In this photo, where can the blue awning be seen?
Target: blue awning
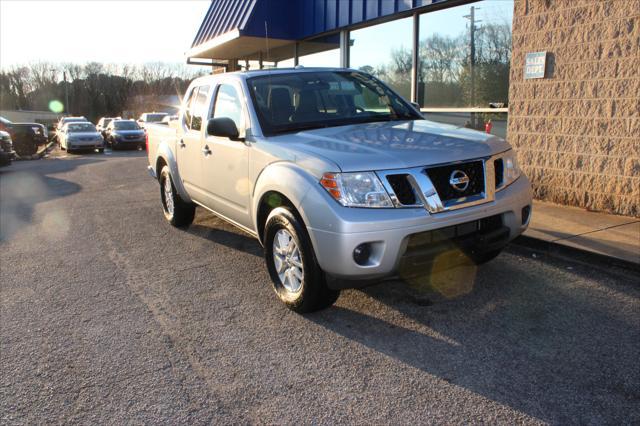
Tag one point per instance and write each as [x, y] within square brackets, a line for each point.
[237, 29]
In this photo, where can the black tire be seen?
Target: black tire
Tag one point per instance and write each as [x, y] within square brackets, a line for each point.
[484, 257]
[313, 294]
[182, 213]
[25, 147]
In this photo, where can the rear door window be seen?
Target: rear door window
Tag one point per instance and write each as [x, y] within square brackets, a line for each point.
[188, 106]
[200, 108]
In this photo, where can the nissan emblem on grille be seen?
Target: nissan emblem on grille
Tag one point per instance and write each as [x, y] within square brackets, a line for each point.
[459, 180]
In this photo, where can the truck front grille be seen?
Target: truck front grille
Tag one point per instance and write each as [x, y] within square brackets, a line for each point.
[403, 189]
[441, 188]
[441, 175]
[499, 171]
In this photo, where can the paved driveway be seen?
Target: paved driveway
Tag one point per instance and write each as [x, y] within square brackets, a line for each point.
[107, 314]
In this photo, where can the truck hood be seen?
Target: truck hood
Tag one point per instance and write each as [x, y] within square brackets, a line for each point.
[393, 145]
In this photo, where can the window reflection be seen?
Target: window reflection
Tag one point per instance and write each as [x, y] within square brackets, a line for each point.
[385, 51]
[320, 51]
[459, 67]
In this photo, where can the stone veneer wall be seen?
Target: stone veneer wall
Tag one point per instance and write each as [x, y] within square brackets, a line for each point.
[577, 132]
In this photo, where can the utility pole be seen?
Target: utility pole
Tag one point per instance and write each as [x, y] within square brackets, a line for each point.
[66, 92]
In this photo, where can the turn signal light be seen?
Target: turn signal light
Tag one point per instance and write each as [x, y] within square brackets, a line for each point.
[330, 183]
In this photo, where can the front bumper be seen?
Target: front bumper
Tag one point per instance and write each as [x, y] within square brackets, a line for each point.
[124, 141]
[388, 232]
[85, 144]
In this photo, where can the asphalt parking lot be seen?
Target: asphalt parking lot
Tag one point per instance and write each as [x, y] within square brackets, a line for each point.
[110, 315]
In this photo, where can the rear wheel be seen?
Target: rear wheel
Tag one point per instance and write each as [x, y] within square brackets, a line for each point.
[178, 212]
[297, 278]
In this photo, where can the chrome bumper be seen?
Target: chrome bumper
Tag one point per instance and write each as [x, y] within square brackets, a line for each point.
[388, 231]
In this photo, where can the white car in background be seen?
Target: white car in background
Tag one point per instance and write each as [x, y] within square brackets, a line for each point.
[151, 117]
[80, 135]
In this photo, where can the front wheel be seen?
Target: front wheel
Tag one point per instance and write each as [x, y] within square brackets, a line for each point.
[297, 278]
[178, 212]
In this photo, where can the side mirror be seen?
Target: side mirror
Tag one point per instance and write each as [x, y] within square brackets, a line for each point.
[223, 127]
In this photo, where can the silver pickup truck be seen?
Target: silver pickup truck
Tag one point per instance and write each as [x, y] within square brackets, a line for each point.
[340, 179]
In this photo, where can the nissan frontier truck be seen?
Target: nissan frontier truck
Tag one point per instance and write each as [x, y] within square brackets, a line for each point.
[341, 180]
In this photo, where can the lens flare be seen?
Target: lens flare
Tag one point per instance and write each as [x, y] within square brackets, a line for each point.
[56, 106]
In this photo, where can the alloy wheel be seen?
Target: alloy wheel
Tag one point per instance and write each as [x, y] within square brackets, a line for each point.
[288, 261]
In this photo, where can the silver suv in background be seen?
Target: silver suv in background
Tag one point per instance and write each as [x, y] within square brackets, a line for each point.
[339, 178]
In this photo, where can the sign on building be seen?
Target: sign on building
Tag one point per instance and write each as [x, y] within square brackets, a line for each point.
[534, 65]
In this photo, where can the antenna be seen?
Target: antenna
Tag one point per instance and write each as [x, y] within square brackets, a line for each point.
[266, 38]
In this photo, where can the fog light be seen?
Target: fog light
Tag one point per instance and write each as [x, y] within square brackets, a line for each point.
[361, 254]
[526, 212]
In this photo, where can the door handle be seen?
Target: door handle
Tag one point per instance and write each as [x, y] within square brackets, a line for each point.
[182, 144]
[206, 151]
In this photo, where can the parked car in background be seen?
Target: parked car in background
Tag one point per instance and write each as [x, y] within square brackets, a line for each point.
[339, 178]
[125, 134]
[169, 118]
[151, 117]
[65, 120]
[103, 123]
[80, 135]
[7, 154]
[25, 136]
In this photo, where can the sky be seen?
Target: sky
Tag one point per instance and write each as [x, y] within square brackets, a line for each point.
[120, 31]
[115, 31]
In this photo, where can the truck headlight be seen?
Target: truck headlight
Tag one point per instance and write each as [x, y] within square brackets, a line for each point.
[361, 189]
[510, 166]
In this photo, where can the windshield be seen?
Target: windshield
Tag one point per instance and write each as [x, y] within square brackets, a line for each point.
[125, 125]
[107, 121]
[153, 118]
[81, 127]
[306, 100]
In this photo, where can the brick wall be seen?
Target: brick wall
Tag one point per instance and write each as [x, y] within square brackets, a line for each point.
[577, 132]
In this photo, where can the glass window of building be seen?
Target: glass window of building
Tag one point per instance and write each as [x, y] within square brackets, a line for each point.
[464, 55]
[320, 52]
[385, 51]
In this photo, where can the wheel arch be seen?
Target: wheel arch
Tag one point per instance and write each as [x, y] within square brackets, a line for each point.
[280, 184]
[166, 157]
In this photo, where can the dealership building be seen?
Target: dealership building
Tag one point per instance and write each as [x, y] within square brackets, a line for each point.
[560, 79]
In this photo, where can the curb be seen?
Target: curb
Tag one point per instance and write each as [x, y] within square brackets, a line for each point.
[562, 251]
